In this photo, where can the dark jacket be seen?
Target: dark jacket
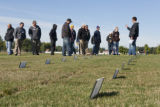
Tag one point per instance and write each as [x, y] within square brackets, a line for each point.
[110, 39]
[53, 33]
[20, 33]
[134, 30]
[35, 32]
[73, 35]
[97, 37]
[9, 35]
[116, 37]
[83, 34]
[66, 31]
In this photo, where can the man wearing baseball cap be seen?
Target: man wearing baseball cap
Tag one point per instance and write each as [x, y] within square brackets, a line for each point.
[66, 35]
[97, 41]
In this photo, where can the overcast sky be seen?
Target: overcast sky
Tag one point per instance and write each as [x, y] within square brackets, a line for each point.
[106, 13]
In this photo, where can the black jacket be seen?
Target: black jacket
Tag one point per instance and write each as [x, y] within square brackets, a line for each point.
[134, 30]
[116, 37]
[9, 35]
[53, 33]
[20, 33]
[73, 35]
[66, 31]
[83, 34]
[97, 37]
[35, 32]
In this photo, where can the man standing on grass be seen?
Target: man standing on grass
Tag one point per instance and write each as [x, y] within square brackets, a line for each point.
[9, 39]
[97, 41]
[20, 35]
[66, 35]
[134, 33]
[35, 34]
[53, 38]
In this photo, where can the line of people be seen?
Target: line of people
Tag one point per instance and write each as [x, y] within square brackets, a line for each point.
[69, 37]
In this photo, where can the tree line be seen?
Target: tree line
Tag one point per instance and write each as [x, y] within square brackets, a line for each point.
[27, 47]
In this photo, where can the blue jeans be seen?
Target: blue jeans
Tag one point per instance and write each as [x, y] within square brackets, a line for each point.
[110, 48]
[132, 48]
[115, 48]
[96, 49]
[9, 46]
[66, 46]
[73, 50]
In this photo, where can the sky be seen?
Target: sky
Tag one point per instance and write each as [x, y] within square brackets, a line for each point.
[106, 13]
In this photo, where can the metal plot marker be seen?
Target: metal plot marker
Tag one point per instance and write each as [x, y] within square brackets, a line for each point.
[22, 64]
[48, 61]
[115, 74]
[96, 88]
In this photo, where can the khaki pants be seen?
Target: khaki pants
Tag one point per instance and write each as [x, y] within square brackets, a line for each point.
[84, 46]
[18, 45]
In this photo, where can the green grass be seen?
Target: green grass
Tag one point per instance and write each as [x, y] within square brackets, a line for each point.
[69, 84]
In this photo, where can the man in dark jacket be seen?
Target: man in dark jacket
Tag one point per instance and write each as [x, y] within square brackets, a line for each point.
[73, 38]
[84, 37]
[116, 40]
[110, 43]
[20, 35]
[97, 41]
[35, 34]
[134, 33]
[53, 38]
[66, 35]
[9, 39]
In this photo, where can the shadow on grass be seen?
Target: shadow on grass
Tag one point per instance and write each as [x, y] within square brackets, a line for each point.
[121, 77]
[132, 64]
[107, 94]
[126, 69]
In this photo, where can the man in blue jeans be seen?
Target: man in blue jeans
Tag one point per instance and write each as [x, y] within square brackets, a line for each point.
[134, 33]
[97, 41]
[66, 35]
[9, 39]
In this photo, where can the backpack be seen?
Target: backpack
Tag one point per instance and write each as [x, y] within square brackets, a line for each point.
[92, 40]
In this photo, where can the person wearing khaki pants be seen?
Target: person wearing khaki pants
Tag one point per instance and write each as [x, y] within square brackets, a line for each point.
[84, 36]
[18, 45]
[20, 35]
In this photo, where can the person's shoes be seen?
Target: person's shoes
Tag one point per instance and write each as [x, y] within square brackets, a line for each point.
[15, 54]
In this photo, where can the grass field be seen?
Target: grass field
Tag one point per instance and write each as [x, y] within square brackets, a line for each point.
[69, 84]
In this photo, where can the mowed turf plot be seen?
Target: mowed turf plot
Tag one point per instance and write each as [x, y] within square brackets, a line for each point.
[69, 83]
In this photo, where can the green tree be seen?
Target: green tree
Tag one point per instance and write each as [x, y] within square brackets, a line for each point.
[147, 49]
[2, 44]
[58, 48]
[158, 50]
[123, 50]
[45, 46]
[27, 45]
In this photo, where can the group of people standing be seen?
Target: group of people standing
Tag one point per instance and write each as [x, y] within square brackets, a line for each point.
[82, 39]
[69, 37]
[113, 42]
[19, 34]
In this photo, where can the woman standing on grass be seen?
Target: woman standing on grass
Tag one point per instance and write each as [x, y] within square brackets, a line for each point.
[116, 40]
[53, 38]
